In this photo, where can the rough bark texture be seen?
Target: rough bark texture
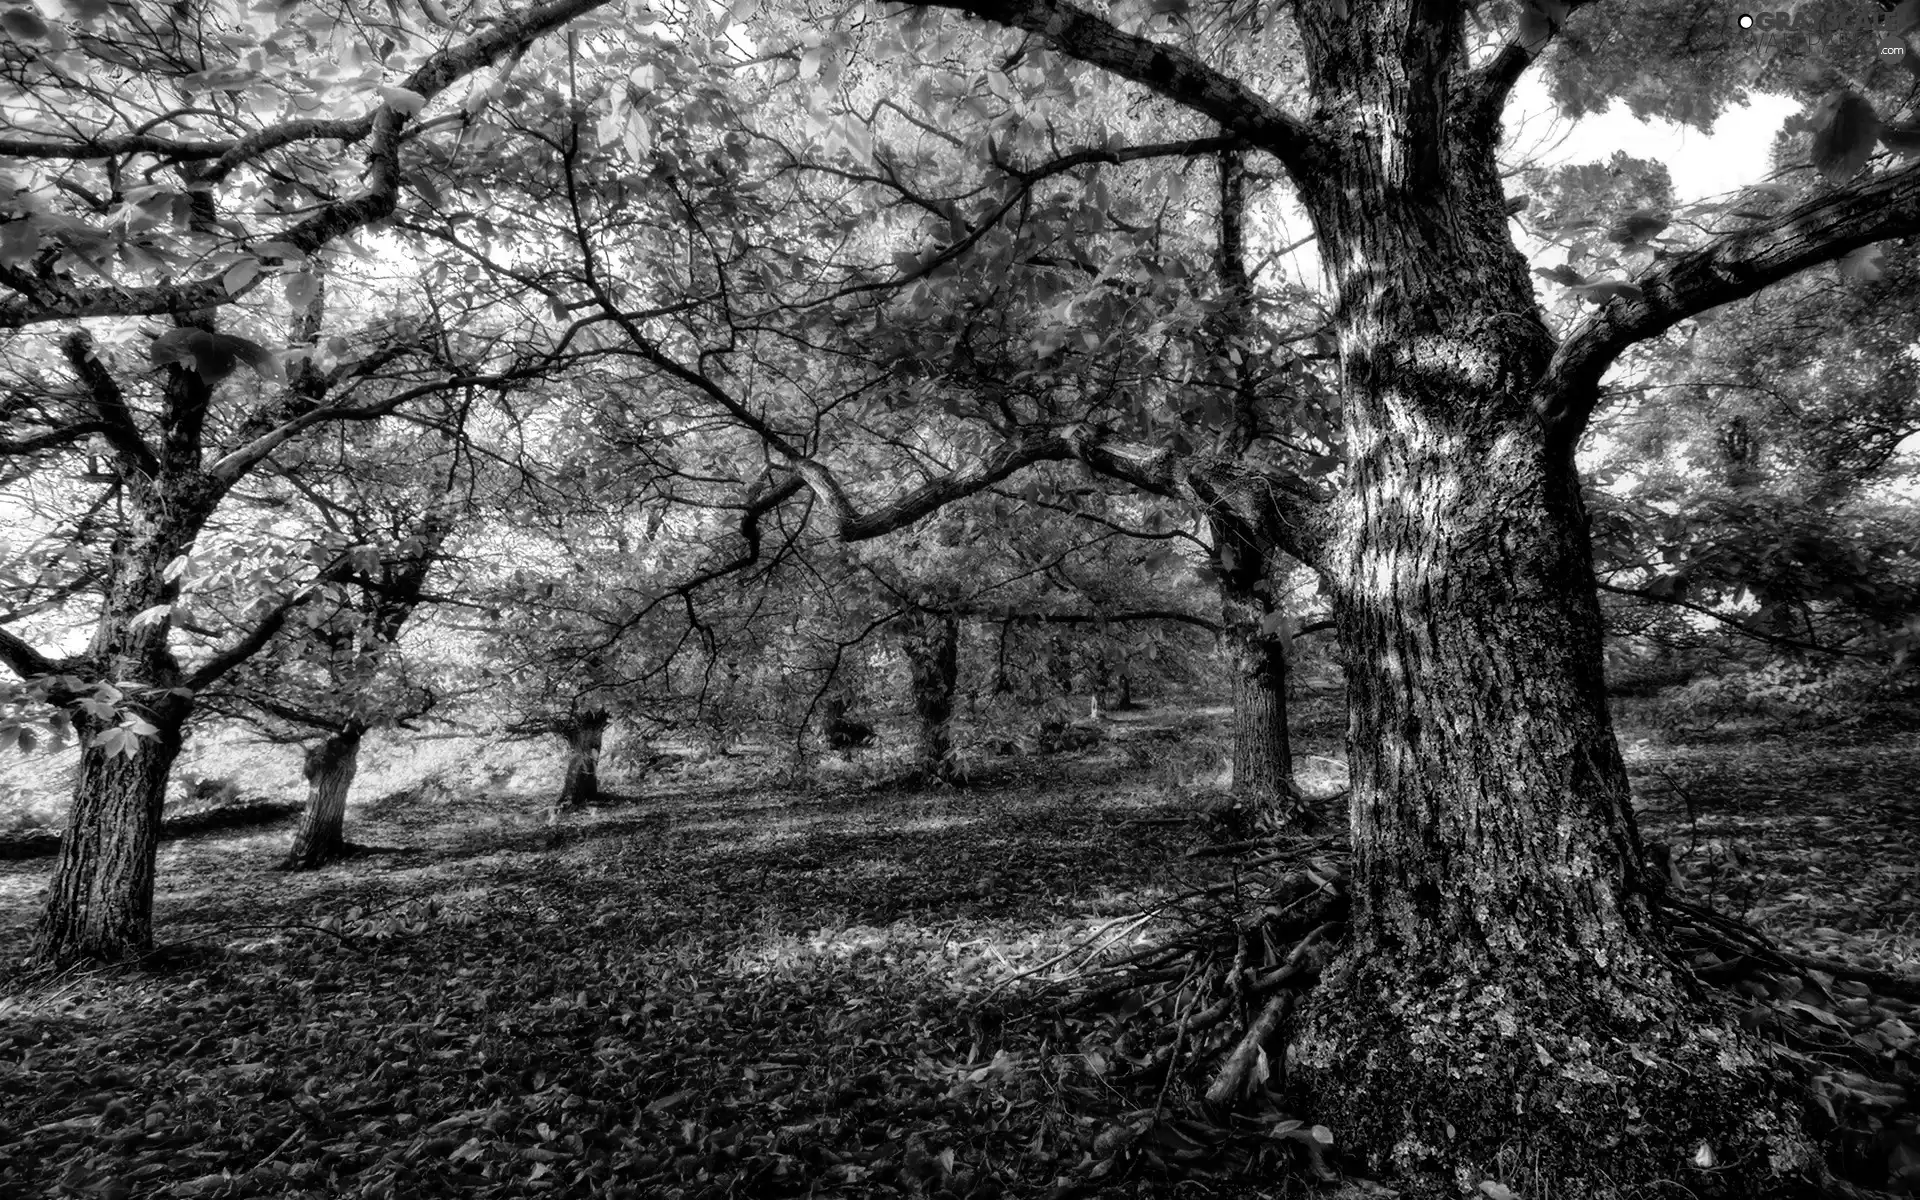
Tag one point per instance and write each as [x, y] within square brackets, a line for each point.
[329, 768]
[101, 904]
[932, 644]
[1256, 657]
[581, 786]
[1505, 1009]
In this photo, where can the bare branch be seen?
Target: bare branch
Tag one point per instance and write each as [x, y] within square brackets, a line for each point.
[23, 660]
[109, 403]
[50, 299]
[1171, 71]
[1171, 615]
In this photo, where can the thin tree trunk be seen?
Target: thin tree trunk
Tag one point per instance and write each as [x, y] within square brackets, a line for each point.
[100, 906]
[932, 644]
[1099, 679]
[330, 767]
[1256, 653]
[582, 784]
[1059, 666]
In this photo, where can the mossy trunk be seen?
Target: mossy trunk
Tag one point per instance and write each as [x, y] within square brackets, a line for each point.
[329, 768]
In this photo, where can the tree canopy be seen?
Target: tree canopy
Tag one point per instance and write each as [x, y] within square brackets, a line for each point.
[721, 337]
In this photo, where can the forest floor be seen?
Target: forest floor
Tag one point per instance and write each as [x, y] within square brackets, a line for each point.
[736, 989]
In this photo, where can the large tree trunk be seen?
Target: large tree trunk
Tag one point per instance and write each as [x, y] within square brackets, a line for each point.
[100, 902]
[100, 906]
[329, 768]
[1505, 1008]
[581, 786]
[932, 644]
[1256, 653]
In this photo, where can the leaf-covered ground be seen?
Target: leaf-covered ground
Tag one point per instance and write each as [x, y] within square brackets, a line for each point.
[751, 991]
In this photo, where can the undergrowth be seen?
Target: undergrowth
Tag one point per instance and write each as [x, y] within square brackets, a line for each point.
[715, 987]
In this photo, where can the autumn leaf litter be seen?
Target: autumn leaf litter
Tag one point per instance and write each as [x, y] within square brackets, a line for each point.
[746, 992]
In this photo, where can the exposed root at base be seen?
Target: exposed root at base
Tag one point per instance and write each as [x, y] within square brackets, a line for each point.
[1200, 995]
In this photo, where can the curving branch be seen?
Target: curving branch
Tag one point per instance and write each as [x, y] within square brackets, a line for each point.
[113, 146]
[1483, 94]
[251, 643]
[851, 525]
[1172, 616]
[244, 150]
[115, 418]
[23, 660]
[1171, 71]
[299, 418]
[229, 153]
[224, 662]
[65, 435]
[1284, 513]
[40, 299]
[1027, 178]
[1730, 267]
[1739, 627]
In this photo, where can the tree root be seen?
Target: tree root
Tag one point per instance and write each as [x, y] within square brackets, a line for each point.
[1213, 995]
[1233, 1072]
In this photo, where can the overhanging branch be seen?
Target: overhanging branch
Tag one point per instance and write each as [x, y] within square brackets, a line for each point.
[851, 525]
[1128, 616]
[1728, 268]
[1483, 94]
[39, 299]
[23, 660]
[1171, 71]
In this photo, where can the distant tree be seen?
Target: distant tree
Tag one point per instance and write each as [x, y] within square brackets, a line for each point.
[174, 169]
[337, 671]
[802, 322]
[931, 641]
